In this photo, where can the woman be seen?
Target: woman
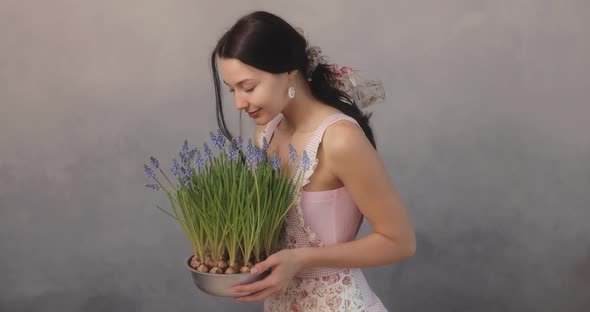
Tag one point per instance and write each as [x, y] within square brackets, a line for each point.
[294, 101]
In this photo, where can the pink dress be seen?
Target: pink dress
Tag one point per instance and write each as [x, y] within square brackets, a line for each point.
[319, 219]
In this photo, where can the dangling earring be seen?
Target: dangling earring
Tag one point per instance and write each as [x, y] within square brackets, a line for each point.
[291, 92]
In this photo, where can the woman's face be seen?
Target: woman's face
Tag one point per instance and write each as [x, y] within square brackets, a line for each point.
[261, 94]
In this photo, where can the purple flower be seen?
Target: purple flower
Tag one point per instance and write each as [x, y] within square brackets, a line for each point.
[305, 161]
[184, 149]
[153, 186]
[292, 155]
[175, 168]
[199, 162]
[207, 150]
[275, 161]
[191, 155]
[233, 151]
[148, 171]
[249, 147]
[251, 158]
[185, 176]
[155, 162]
[260, 155]
[218, 140]
[239, 143]
[254, 155]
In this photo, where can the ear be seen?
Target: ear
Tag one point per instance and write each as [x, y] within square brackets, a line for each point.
[292, 74]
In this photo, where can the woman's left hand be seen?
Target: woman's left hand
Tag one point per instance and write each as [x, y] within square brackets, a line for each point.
[283, 265]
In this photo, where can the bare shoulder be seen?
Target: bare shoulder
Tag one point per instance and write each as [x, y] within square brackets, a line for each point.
[343, 138]
[349, 153]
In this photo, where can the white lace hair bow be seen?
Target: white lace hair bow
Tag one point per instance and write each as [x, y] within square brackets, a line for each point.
[365, 92]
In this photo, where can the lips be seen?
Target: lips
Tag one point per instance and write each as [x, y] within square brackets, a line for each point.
[255, 113]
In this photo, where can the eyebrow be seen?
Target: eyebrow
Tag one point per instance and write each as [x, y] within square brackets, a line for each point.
[239, 83]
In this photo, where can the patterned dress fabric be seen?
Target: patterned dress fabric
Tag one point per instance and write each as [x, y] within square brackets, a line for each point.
[320, 219]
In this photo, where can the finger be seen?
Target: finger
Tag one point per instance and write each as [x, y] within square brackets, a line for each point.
[265, 265]
[253, 287]
[261, 295]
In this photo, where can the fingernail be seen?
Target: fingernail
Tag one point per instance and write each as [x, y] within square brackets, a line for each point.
[254, 271]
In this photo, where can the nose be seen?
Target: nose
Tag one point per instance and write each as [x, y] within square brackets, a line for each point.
[241, 102]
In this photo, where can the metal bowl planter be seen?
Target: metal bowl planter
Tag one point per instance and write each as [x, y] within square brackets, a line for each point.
[221, 284]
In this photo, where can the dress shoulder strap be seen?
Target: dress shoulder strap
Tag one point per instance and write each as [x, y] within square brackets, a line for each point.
[316, 139]
[313, 144]
[269, 130]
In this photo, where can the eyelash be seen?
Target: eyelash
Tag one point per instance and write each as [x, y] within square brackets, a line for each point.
[247, 91]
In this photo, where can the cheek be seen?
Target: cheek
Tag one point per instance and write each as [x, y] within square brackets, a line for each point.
[270, 98]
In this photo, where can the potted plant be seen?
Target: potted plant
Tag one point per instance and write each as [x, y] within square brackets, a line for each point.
[231, 204]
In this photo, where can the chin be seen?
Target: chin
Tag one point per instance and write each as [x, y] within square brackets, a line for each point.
[263, 119]
[259, 123]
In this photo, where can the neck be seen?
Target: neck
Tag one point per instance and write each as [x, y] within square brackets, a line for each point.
[298, 112]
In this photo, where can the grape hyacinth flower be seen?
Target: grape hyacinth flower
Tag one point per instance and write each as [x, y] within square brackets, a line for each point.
[184, 149]
[207, 151]
[191, 156]
[175, 168]
[239, 143]
[259, 155]
[199, 162]
[221, 137]
[265, 144]
[233, 151]
[305, 162]
[148, 171]
[249, 147]
[155, 162]
[292, 155]
[218, 140]
[251, 158]
[275, 162]
[185, 173]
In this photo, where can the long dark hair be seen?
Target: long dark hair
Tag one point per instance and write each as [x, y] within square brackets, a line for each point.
[267, 42]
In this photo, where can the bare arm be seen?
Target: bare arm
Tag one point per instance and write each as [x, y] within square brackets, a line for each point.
[354, 161]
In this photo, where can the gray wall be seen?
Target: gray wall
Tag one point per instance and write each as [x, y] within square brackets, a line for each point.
[485, 133]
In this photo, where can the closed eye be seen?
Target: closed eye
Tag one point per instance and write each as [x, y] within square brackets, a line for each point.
[247, 91]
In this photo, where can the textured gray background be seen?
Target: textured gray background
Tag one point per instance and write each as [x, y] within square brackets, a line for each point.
[485, 132]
